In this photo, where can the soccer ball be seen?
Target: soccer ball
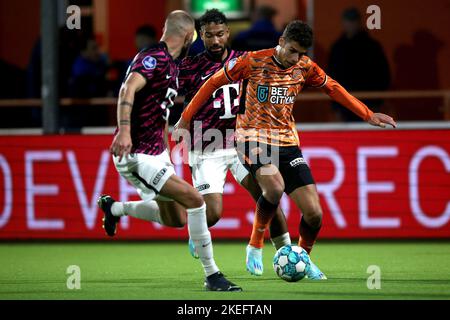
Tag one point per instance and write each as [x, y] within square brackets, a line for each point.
[291, 263]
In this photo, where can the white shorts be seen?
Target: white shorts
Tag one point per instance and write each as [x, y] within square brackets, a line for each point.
[146, 173]
[209, 169]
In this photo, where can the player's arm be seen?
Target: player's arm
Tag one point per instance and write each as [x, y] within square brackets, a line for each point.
[343, 97]
[317, 78]
[166, 135]
[207, 89]
[122, 143]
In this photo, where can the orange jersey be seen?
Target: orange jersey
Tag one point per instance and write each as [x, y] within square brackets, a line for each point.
[268, 94]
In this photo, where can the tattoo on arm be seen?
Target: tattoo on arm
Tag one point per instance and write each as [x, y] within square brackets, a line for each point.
[126, 103]
[124, 122]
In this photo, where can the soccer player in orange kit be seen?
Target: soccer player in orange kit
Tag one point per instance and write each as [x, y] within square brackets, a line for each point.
[266, 135]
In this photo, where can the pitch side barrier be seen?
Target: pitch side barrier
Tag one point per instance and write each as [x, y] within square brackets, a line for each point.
[373, 183]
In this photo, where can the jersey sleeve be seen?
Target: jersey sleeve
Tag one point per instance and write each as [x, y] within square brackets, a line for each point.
[316, 77]
[238, 68]
[340, 95]
[145, 64]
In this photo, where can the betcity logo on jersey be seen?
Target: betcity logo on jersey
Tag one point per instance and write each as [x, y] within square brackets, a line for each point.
[274, 95]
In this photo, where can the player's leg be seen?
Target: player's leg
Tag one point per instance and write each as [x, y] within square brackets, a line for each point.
[185, 194]
[172, 214]
[258, 159]
[271, 183]
[147, 174]
[213, 203]
[272, 187]
[214, 208]
[133, 168]
[307, 200]
[209, 171]
[279, 233]
[278, 227]
[301, 188]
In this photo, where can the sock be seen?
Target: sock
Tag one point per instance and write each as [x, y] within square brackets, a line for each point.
[308, 235]
[264, 214]
[117, 209]
[200, 235]
[281, 241]
[144, 210]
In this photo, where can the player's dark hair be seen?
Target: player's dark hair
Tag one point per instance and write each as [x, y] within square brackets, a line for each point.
[212, 16]
[299, 32]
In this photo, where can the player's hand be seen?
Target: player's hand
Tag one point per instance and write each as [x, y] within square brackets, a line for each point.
[381, 120]
[121, 145]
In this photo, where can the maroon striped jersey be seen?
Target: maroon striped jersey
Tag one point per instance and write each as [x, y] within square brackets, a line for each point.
[219, 111]
[151, 103]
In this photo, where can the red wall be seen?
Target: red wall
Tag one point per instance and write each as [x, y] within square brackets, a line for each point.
[19, 30]
[372, 183]
[123, 20]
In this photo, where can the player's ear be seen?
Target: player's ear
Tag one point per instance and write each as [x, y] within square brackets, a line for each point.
[202, 34]
[190, 38]
[281, 41]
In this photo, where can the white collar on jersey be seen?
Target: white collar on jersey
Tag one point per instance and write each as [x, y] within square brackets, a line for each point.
[277, 50]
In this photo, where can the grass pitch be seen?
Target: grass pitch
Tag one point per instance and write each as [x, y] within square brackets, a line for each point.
[165, 270]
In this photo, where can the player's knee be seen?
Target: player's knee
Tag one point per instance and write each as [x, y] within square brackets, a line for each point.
[193, 198]
[273, 195]
[313, 217]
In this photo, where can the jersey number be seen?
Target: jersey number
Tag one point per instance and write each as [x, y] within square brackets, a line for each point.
[168, 101]
[169, 98]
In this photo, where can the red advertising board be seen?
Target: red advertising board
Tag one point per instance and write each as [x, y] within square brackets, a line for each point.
[372, 184]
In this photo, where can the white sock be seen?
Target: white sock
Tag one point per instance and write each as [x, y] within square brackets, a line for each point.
[200, 235]
[117, 209]
[144, 210]
[281, 241]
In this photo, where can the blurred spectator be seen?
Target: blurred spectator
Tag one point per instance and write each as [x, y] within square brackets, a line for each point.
[69, 49]
[12, 82]
[145, 36]
[358, 62]
[12, 86]
[88, 77]
[261, 35]
[197, 46]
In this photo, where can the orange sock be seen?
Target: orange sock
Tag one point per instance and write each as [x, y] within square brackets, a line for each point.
[264, 214]
[308, 235]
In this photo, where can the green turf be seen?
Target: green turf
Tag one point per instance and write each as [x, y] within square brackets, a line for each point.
[114, 270]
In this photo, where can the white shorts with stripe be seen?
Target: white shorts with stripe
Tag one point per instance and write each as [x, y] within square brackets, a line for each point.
[209, 169]
[146, 173]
